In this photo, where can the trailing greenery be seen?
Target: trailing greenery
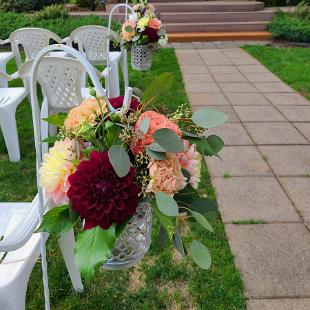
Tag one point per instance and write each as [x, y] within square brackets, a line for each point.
[160, 281]
[53, 11]
[25, 6]
[292, 65]
[62, 26]
[290, 28]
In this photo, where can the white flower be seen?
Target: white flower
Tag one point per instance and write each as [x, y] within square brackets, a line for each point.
[133, 17]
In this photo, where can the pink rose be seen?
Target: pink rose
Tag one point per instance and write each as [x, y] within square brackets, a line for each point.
[129, 25]
[155, 23]
[157, 121]
[166, 175]
[190, 160]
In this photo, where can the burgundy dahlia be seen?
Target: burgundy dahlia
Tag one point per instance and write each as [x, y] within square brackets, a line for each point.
[152, 34]
[117, 103]
[99, 195]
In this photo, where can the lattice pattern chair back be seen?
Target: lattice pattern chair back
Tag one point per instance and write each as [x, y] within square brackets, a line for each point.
[33, 40]
[93, 41]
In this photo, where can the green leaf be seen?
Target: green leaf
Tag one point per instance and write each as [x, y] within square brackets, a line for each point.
[129, 29]
[73, 215]
[159, 86]
[202, 221]
[56, 221]
[155, 155]
[51, 139]
[137, 92]
[112, 137]
[168, 140]
[162, 236]
[186, 174]
[209, 117]
[145, 125]
[56, 119]
[156, 147]
[93, 248]
[120, 160]
[204, 205]
[186, 195]
[166, 204]
[86, 152]
[87, 131]
[200, 254]
[189, 134]
[178, 243]
[215, 143]
[165, 221]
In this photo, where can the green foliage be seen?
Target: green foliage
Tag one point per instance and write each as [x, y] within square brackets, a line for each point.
[93, 248]
[289, 27]
[168, 140]
[119, 160]
[277, 3]
[166, 204]
[26, 6]
[200, 254]
[62, 26]
[209, 117]
[302, 11]
[56, 119]
[53, 11]
[56, 221]
[90, 4]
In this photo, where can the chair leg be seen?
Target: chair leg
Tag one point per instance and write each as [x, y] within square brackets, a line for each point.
[3, 82]
[66, 244]
[9, 130]
[124, 65]
[114, 80]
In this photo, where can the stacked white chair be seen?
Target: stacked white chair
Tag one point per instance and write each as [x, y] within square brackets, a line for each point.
[5, 57]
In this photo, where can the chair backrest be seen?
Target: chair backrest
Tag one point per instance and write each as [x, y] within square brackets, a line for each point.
[93, 41]
[33, 40]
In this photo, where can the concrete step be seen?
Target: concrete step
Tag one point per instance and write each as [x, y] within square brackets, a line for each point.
[216, 27]
[165, 1]
[206, 6]
[219, 36]
[187, 17]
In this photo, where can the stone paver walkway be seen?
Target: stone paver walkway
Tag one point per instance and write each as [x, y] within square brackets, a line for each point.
[265, 173]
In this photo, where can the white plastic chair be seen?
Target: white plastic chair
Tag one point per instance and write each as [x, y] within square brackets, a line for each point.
[10, 98]
[5, 57]
[70, 87]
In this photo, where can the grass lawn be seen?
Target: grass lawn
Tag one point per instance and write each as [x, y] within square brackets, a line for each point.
[292, 65]
[160, 281]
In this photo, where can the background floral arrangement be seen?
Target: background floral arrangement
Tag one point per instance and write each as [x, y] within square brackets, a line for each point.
[103, 164]
[143, 27]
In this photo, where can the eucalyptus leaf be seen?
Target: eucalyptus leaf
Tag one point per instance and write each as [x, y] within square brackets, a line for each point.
[209, 117]
[155, 155]
[202, 221]
[200, 254]
[215, 142]
[189, 134]
[129, 29]
[156, 147]
[204, 205]
[145, 125]
[178, 243]
[56, 221]
[93, 248]
[165, 220]
[162, 236]
[119, 160]
[168, 140]
[166, 204]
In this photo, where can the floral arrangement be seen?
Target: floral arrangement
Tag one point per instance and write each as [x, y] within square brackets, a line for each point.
[103, 164]
[143, 27]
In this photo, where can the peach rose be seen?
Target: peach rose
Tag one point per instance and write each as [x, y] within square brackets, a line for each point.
[128, 35]
[155, 23]
[166, 175]
[190, 160]
[157, 121]
[150, 10]
[87, 111]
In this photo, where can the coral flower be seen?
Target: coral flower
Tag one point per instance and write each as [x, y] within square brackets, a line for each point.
[190, 160]
[128, 35]
[157, 121]
[55, 170]
[99, 195]
[166, 175]
[155, 23]
[87, 111]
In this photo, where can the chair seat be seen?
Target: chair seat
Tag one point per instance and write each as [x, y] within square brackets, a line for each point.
[6, 56]
[17, 223]
[12, 95]
[15, 262]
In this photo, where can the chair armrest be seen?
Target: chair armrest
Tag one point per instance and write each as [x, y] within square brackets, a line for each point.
[8, 77]
[6, 41]
[66, 40]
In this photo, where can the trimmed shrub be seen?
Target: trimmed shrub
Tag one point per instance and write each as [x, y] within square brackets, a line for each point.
[17, 5]
[62, 26]
[290, 28]
[90, 4]
[276, 3]
[52, 12]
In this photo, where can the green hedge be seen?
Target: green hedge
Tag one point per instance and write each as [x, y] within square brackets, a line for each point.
[277, 3]
[62, 26]
[26, 5]
[290, 28]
